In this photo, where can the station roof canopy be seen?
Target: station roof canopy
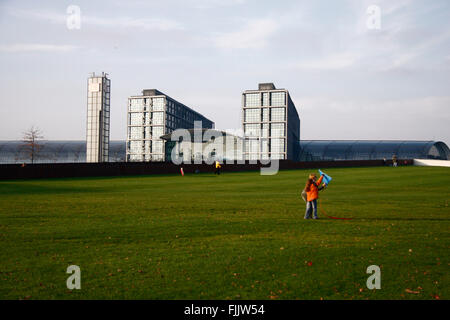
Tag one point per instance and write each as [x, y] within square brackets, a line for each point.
[311, 150]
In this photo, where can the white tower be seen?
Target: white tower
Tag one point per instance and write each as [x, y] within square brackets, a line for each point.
[97, 128]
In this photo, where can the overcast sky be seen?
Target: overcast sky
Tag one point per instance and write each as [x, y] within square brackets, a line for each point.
[348, 78]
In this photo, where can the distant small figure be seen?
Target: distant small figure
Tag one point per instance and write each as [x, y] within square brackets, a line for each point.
[394, 160]
[218, 167]
[384, 161]
[23, 165]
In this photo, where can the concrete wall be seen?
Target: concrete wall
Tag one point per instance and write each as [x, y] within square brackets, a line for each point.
[67, 170]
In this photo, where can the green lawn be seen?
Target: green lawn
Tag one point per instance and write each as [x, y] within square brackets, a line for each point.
[237, 236]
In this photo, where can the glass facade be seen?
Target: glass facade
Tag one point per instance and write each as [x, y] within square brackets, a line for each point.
[271, 125]
[312, 150]
[56, 152]
[151, 116]
[98, 119]
[334, 150]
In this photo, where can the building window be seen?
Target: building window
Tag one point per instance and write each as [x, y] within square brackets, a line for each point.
[158, 157]
[252, 115]
[136, 147]
[265, 114]
[158, 118]
[135, 157]
[136, 119]
[265, 97]
[252, 100]
[158, 104]
[252, 130]
[265, 130]
[137, 105]
[278, 99]
[252, 146]
[279, 156]
[158, 132]
[147, 117]
[276, 146]
[277, 130]
[157, 147]
[277, 114]
[147, 146]
[148, 132]
[135, 133]
[265, 146]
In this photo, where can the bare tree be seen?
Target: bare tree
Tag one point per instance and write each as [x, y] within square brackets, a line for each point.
[31, 146]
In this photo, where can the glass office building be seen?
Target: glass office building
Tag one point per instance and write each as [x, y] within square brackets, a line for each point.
[151, 116]
[270, 123]
[97, 128]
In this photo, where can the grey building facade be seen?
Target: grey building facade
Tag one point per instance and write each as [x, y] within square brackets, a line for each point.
[151, 116]
[98, 118]
[270, 123]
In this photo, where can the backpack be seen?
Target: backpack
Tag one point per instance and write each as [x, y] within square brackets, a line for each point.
[304, 197]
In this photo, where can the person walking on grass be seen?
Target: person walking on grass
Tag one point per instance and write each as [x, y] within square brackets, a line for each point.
[218, 166]
[394, 160]
[312, 189]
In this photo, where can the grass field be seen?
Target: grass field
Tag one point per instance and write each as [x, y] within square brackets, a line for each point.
[237, 236]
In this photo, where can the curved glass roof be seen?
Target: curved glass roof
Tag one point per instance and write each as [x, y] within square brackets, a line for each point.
[314, 150]
[56, 152]
[310, 150]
